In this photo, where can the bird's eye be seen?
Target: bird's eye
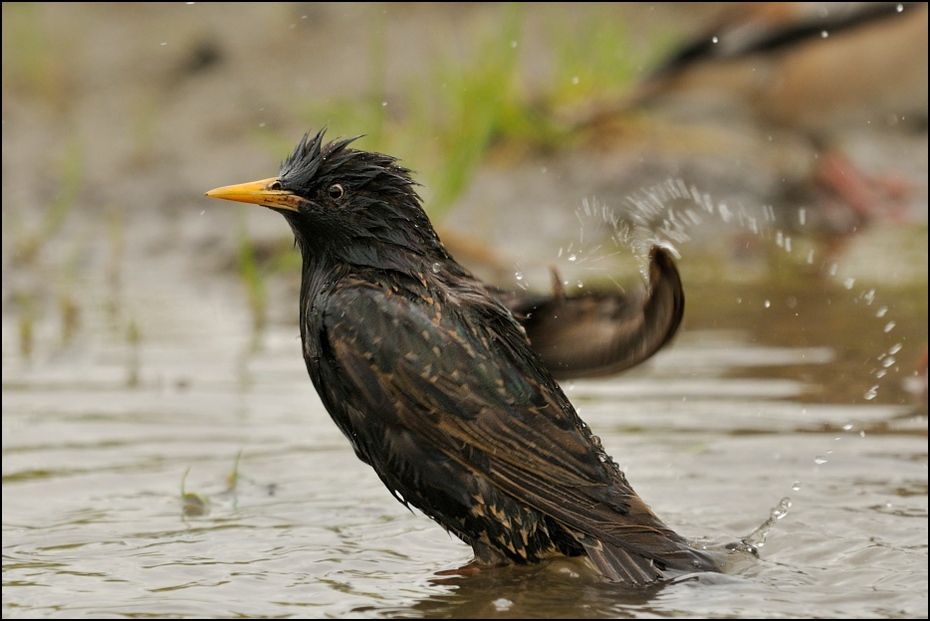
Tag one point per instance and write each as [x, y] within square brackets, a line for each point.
[336, 191]
[275, 185]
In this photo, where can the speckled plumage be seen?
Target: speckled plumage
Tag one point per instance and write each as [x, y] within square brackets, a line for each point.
[435, 384]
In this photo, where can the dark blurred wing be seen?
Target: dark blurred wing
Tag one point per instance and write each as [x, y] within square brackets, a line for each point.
[602, 333]
[746, 28]
[466, 387]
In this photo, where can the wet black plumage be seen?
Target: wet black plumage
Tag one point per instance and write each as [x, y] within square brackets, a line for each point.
[434, 382]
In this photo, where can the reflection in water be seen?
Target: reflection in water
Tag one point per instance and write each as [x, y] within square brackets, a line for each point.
[561, 586]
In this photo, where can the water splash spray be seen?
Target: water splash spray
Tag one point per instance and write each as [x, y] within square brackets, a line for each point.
[663, 214]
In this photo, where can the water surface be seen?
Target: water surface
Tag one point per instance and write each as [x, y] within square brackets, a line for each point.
[765, 395]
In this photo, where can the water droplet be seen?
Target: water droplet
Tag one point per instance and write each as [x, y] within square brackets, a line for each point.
[833, 268]
[900, 8]
[716, 40]
[796, 486]
[575, 79]
[782, 509]
[889, 326]
[895, 348]
[580, 284]
[849, 282]
[824, 34]
[384, 104]
[513, 44]
[881, 312]
[810, 257]
[767, 303]
[502, 604]
[163, 43]
[820, 460]
[871, 393]
[802, 216]
[568, 572]
[573, 257]
[880, 373]
[848, 427]
[436, 267]
[518, 275]
[869, 296]
[889, 361]
[725, 214]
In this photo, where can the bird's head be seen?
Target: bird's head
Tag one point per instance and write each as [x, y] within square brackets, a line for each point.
[349, 205]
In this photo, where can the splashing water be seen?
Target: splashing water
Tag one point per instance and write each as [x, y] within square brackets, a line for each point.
[666, 215]
[756, 539]
[663, 215]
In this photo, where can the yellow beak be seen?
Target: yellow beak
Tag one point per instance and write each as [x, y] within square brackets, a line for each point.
[262, 193]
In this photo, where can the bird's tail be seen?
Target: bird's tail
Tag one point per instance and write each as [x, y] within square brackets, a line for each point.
[634, 567]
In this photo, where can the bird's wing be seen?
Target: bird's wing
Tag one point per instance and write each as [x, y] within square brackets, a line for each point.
[473, 390]
[744, 29]
[601, 333]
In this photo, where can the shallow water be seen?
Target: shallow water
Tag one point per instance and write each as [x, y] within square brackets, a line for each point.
[764, 395]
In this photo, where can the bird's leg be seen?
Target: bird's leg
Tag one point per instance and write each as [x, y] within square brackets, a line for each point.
[864, 194]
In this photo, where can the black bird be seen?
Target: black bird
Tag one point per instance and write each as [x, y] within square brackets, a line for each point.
[435, 384]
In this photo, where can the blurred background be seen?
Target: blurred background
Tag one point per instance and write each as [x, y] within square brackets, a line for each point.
[780, 149]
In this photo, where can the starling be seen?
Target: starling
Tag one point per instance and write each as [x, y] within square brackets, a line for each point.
[434, 383]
